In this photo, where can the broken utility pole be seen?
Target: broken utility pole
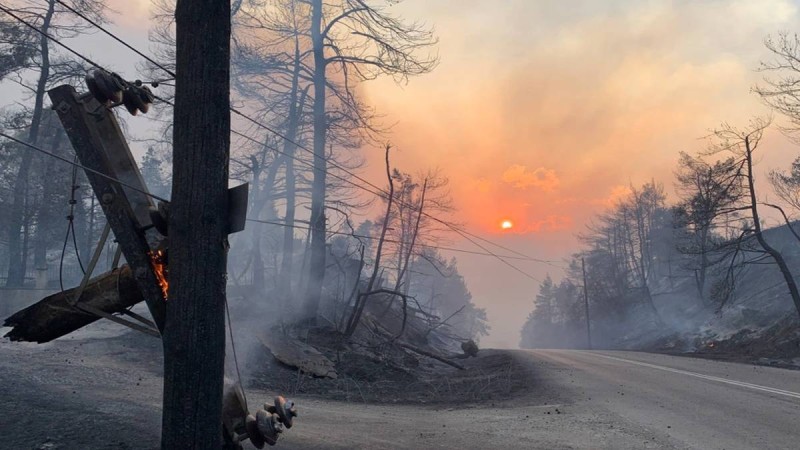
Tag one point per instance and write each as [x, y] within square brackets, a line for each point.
[194, 337]
[100, 145]
[55, 316]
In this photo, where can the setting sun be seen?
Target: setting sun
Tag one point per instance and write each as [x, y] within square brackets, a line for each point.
[506, 225]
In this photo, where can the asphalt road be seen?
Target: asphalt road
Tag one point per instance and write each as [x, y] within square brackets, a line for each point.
[94, 394]
[591, 400]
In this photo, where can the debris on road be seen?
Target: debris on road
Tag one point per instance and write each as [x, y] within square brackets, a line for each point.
[294, 353]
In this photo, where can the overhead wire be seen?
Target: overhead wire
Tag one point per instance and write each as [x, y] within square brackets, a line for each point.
[394, 241]
[49, 37]
[71, 218]
[76, 164]
[471, 237]
[257, 123]
[115, 37]
[144, 192]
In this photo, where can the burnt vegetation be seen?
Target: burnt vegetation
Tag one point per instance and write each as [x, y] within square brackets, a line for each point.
[328, 261]
[703, 271]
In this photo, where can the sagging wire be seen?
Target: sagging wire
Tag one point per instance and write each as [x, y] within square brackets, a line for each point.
[70, 229]
[381, 193]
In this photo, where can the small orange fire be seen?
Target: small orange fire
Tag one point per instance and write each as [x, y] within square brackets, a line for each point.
[158, 259]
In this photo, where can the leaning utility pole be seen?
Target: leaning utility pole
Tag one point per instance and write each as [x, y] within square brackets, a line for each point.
[586, 305]
[194, 336]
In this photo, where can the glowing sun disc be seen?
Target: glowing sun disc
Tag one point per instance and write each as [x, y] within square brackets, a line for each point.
[506, 225]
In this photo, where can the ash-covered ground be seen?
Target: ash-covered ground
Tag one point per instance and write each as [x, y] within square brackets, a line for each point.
[100, 388]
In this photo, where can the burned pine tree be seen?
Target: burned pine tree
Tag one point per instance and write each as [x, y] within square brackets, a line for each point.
[709, 195]
[742, 143]
[40, 59]
[298, 63]
[374, 43]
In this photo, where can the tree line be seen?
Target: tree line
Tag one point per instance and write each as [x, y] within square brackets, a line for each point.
[654, 265]
[296, 71]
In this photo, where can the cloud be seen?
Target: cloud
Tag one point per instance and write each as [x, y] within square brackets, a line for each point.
[617, 195]
[520, 177]
[601, 94]
[549, 223]
[483, 185]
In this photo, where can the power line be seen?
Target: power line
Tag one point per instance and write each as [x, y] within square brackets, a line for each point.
[110, 178]
[51, 38]
[115, 37]
[115, 180]
[232, 109]
[144, 192]
[88, 169]
[463, 234]
[394, 241]
[381, 192]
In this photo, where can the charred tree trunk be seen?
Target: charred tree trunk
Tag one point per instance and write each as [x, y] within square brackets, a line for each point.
[405, 259]
[46, 215]
[295, 112]
[257, 261]
[317, 264]
[773, 252]
[17, 258]
[361, 299]
[260, 200]
[259, 283]
[54, 316]
[194, 335]
[704, 264]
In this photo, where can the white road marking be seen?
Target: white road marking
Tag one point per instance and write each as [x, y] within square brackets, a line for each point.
[703, 376]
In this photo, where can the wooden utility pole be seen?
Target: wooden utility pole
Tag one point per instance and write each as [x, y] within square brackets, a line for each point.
[586, 305]
[194, 336]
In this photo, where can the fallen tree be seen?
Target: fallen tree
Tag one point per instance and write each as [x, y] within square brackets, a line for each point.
[56, 316]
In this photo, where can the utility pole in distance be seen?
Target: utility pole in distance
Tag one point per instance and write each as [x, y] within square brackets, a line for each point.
[586, 305]
[194, 335]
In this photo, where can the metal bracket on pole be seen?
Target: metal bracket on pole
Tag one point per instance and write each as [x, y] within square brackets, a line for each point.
[92, 264]
[100, 313]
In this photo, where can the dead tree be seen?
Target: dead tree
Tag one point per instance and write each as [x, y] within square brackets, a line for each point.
[787, 184]
[373, 43]
[407, 245]
[361, 298]
[17, 259]
[743, 143]
[779, 88]
[707, 194]
[45, 19]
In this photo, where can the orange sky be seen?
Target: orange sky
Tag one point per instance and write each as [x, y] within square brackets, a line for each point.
[542, 112]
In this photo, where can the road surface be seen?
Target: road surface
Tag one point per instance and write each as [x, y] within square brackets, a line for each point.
[95, 395]
[610, 400]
